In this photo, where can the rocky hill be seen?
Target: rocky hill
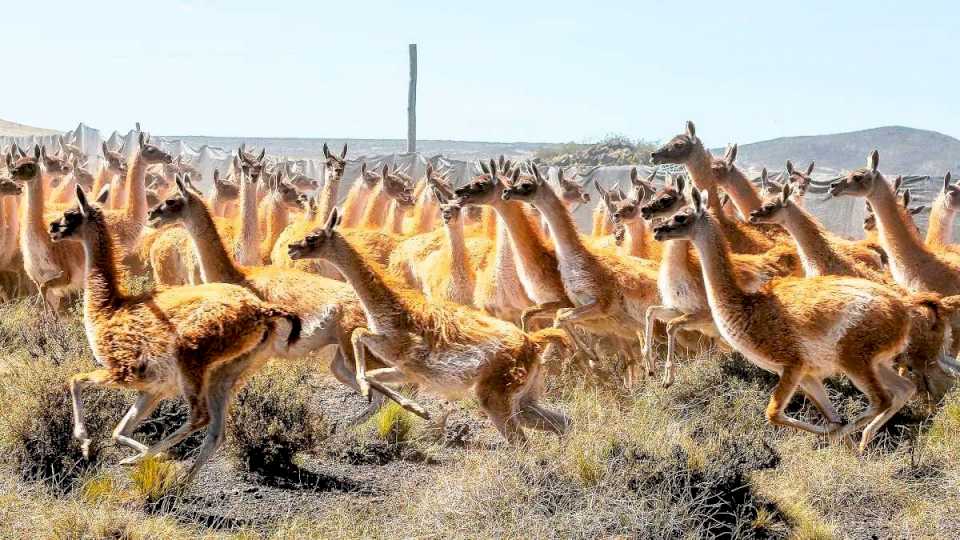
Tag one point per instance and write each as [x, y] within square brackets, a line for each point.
[903, 150]
[13, 129]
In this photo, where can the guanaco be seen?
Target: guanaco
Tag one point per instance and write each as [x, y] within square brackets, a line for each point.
[684, 307]
[198, 342]
[55, 269]
[448, 348]
[804, 330]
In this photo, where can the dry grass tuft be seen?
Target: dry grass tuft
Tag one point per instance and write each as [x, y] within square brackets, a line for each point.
[394, 424]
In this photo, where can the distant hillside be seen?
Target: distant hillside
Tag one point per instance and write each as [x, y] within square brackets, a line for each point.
[903, 150]
[13, 129]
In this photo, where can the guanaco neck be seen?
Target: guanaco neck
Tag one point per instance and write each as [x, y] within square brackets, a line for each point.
[136, 208]
[355, 205]
[530, 254]
[381, 304]
[216, 266]
[741, 191]
[278, 217]
[459, 259]
[899, 238]
[723, 291]
[566, 239]
[248, 248]
[101, 292]
[940, 224]
[636, 241]
[102, 179]
[375, 214]
[394, 221]
[33, 212]
[816, 253]
[699, 168]
[328, 196]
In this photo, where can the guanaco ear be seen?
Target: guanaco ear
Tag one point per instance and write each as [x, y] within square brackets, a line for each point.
[363, 168]
[104, 194]
[789, 167]
[483, 167]
[343, 154]
[332, 221]
[43, 152]
[438, 193]
[634, 176]
[698, 199]
[873, 161]
[493, 166]
[917, 210]
[515, 177]
[326, 151]
[731, 154]
[181, 186]
[946, 181]
[897, 182]
[906, 198]
[386, 171]
[216, 176]
[810, 168]
[263, 153]
[691, 130]
[141, 140]
[536, 174]
[82, 201]
[104, 149]
[36, 151]
[763, 178]
[679, 182]
[785, 193]
[604, 194]
[724, 199]
[9, 160]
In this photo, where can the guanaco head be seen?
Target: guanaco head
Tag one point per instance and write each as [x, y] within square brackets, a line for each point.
[369, 178]
[397, 188]
[609, 197]
[683, 224]
[723, 168]
[116, 164]
[177, 207]
[800, 179]
[484, 189]
[571, 193]
[628, 209]
[82, 174]
[83, 223]
[151, 153]
[951, 194]
[437, 180]
[319, 244]
[56, 166]
[667, 201]
[525, 188]
[449, 211]
[771, 210]
[69, 149]
[227, 191]
[26, 168]
[250, 164]
[861, 182]
[335, 164]
[9, 188]
[678, 149]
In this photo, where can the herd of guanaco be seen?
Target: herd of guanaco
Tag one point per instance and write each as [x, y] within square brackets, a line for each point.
[475, 290]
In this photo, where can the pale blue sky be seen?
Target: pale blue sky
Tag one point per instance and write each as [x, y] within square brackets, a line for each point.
[489, 70]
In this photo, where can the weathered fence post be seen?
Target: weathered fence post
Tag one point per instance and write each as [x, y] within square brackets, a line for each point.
[412, 102]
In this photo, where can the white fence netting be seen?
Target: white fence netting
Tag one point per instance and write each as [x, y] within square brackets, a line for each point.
[841, 215]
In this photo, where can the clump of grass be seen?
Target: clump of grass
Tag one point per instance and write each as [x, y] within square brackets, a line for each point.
[99, 488]
[155, 479]
[272, 419]
[394, 424]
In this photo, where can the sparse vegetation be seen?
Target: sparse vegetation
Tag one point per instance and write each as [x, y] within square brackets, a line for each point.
[694, 460]
[272, 419]
[613, 149]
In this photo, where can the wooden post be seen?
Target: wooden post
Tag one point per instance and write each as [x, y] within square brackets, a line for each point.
[412, 102]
